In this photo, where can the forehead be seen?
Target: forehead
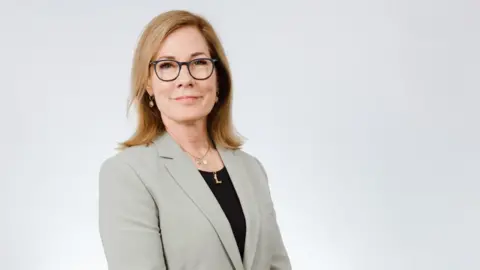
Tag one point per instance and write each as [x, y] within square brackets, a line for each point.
[182, 43]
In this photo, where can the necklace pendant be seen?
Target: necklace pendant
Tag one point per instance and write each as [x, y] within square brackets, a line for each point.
[201, 162]
[217, 181]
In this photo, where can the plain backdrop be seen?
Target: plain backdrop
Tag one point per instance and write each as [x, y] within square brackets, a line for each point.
[364, 113]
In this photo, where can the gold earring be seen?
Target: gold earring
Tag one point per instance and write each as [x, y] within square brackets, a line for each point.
[151, 103]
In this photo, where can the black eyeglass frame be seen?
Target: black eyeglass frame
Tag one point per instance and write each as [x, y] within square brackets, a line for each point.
[180, 64]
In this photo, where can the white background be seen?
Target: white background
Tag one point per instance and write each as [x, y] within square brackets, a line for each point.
[364, 113]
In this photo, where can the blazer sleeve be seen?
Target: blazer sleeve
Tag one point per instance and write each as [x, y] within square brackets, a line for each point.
[128, 219]
[280, 258]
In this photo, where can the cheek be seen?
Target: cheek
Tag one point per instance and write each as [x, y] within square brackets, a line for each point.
[208, 101]
[162, 90]
[210, 94]
[209, 87]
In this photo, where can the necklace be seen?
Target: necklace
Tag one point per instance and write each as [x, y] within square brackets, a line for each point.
[200, 160]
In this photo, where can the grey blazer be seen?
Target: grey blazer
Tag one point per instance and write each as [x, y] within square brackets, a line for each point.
[156, 212]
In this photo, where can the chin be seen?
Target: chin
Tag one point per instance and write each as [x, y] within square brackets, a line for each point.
[190, 118]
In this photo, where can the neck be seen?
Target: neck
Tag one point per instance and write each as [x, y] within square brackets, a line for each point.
[192, 137]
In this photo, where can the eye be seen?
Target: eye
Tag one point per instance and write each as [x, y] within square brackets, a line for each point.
[166, 65]
[200, 62]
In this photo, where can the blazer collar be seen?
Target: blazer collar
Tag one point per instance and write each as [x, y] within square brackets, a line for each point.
[183, 170]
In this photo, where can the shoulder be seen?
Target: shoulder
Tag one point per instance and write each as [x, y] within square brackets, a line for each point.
[245, 156]
[133, 155]
[132, 160]
[252, 162]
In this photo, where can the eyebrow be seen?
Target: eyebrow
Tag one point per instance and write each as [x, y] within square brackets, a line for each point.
[195, 54]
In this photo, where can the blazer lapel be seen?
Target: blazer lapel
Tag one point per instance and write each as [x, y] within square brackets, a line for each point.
[183, 170]
[241, 181]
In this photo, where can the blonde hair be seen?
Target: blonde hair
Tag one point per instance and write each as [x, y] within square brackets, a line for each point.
[150, 124]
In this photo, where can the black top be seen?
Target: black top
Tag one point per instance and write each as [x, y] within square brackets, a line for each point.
[228, 199]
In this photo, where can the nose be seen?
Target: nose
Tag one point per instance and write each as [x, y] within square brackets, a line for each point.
[184, 78]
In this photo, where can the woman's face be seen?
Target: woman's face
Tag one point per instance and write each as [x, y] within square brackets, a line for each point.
[184, 98]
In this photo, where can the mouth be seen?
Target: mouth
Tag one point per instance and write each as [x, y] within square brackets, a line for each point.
[186, 98]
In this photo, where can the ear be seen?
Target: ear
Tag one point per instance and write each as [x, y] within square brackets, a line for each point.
[148, 87]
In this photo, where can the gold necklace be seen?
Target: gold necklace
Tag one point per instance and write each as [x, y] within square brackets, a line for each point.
[200, 160]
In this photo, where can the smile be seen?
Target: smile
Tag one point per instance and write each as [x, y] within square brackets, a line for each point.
[186, 98]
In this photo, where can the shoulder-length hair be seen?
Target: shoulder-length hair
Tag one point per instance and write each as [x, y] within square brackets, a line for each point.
[150, 125]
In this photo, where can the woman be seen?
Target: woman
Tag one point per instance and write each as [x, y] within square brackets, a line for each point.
[181, 194]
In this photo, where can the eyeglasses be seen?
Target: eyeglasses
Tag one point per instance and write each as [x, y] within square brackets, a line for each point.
[169, 70]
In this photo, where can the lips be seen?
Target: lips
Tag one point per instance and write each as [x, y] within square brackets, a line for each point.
[186, 98]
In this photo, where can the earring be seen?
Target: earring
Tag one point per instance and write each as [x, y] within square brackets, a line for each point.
[151, 103]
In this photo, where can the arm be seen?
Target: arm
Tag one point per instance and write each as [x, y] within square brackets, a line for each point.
[280, 259]
[128, 220]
